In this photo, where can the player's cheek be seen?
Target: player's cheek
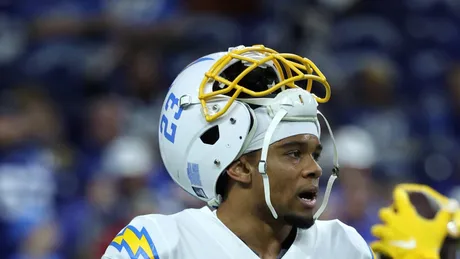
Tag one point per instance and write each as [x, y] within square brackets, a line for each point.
[281, 197]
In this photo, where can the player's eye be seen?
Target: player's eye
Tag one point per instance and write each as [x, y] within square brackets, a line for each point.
[295, 154]
[316, 156]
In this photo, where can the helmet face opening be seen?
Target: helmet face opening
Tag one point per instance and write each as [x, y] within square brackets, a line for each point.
[257, 72]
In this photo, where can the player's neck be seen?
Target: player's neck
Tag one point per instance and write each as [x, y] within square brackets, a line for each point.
[264, 236]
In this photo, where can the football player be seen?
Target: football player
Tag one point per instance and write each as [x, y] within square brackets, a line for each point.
[238, 131]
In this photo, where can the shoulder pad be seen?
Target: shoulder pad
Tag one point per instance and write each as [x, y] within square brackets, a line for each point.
[351, 236]
[151, 236]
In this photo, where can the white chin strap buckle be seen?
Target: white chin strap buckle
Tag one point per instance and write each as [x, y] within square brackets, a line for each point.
[262, 167]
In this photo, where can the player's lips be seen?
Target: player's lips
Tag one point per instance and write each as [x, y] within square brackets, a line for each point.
[308, 197]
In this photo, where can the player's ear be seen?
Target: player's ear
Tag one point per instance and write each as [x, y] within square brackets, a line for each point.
[241, 170]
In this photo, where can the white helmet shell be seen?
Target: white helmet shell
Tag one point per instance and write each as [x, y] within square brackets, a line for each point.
[192, 163]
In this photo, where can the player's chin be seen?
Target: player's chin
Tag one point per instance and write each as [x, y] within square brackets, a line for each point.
[300, 220]
[301, 216]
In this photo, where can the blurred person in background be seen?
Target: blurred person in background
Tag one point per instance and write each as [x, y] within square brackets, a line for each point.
[453, 94]
[453, 118]
[28, 166]
[439, 161]
[87, 196]
[144, 94]
[118, 190]
[373, 102]
[102, 123]
[358, 196]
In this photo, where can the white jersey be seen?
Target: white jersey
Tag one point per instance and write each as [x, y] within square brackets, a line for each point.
[198, 233]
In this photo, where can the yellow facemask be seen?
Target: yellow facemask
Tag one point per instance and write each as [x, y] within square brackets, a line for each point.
[290, 67]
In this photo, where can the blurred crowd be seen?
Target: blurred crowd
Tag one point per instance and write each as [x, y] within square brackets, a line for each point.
[82, 80]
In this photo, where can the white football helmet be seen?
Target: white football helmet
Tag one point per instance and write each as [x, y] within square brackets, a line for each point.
[226, 104]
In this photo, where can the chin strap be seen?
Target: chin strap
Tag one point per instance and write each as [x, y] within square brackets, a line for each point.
[334, 175]
[263, 158]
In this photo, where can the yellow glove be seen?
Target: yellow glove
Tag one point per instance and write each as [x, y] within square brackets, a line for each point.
[407, 235]
[453, 227]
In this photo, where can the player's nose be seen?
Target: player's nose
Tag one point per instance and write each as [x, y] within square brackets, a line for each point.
[312, 169]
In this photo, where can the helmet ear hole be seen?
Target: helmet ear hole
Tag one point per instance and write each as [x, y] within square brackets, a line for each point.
[211, 136]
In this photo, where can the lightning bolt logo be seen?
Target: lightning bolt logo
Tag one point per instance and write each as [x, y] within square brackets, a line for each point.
[136, 243]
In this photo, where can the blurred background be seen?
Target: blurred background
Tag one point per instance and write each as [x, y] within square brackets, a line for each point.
[82, 80]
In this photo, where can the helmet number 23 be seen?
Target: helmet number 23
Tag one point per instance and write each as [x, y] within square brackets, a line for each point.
[167, 126]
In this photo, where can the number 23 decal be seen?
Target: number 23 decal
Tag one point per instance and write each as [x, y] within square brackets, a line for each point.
[166, 127]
